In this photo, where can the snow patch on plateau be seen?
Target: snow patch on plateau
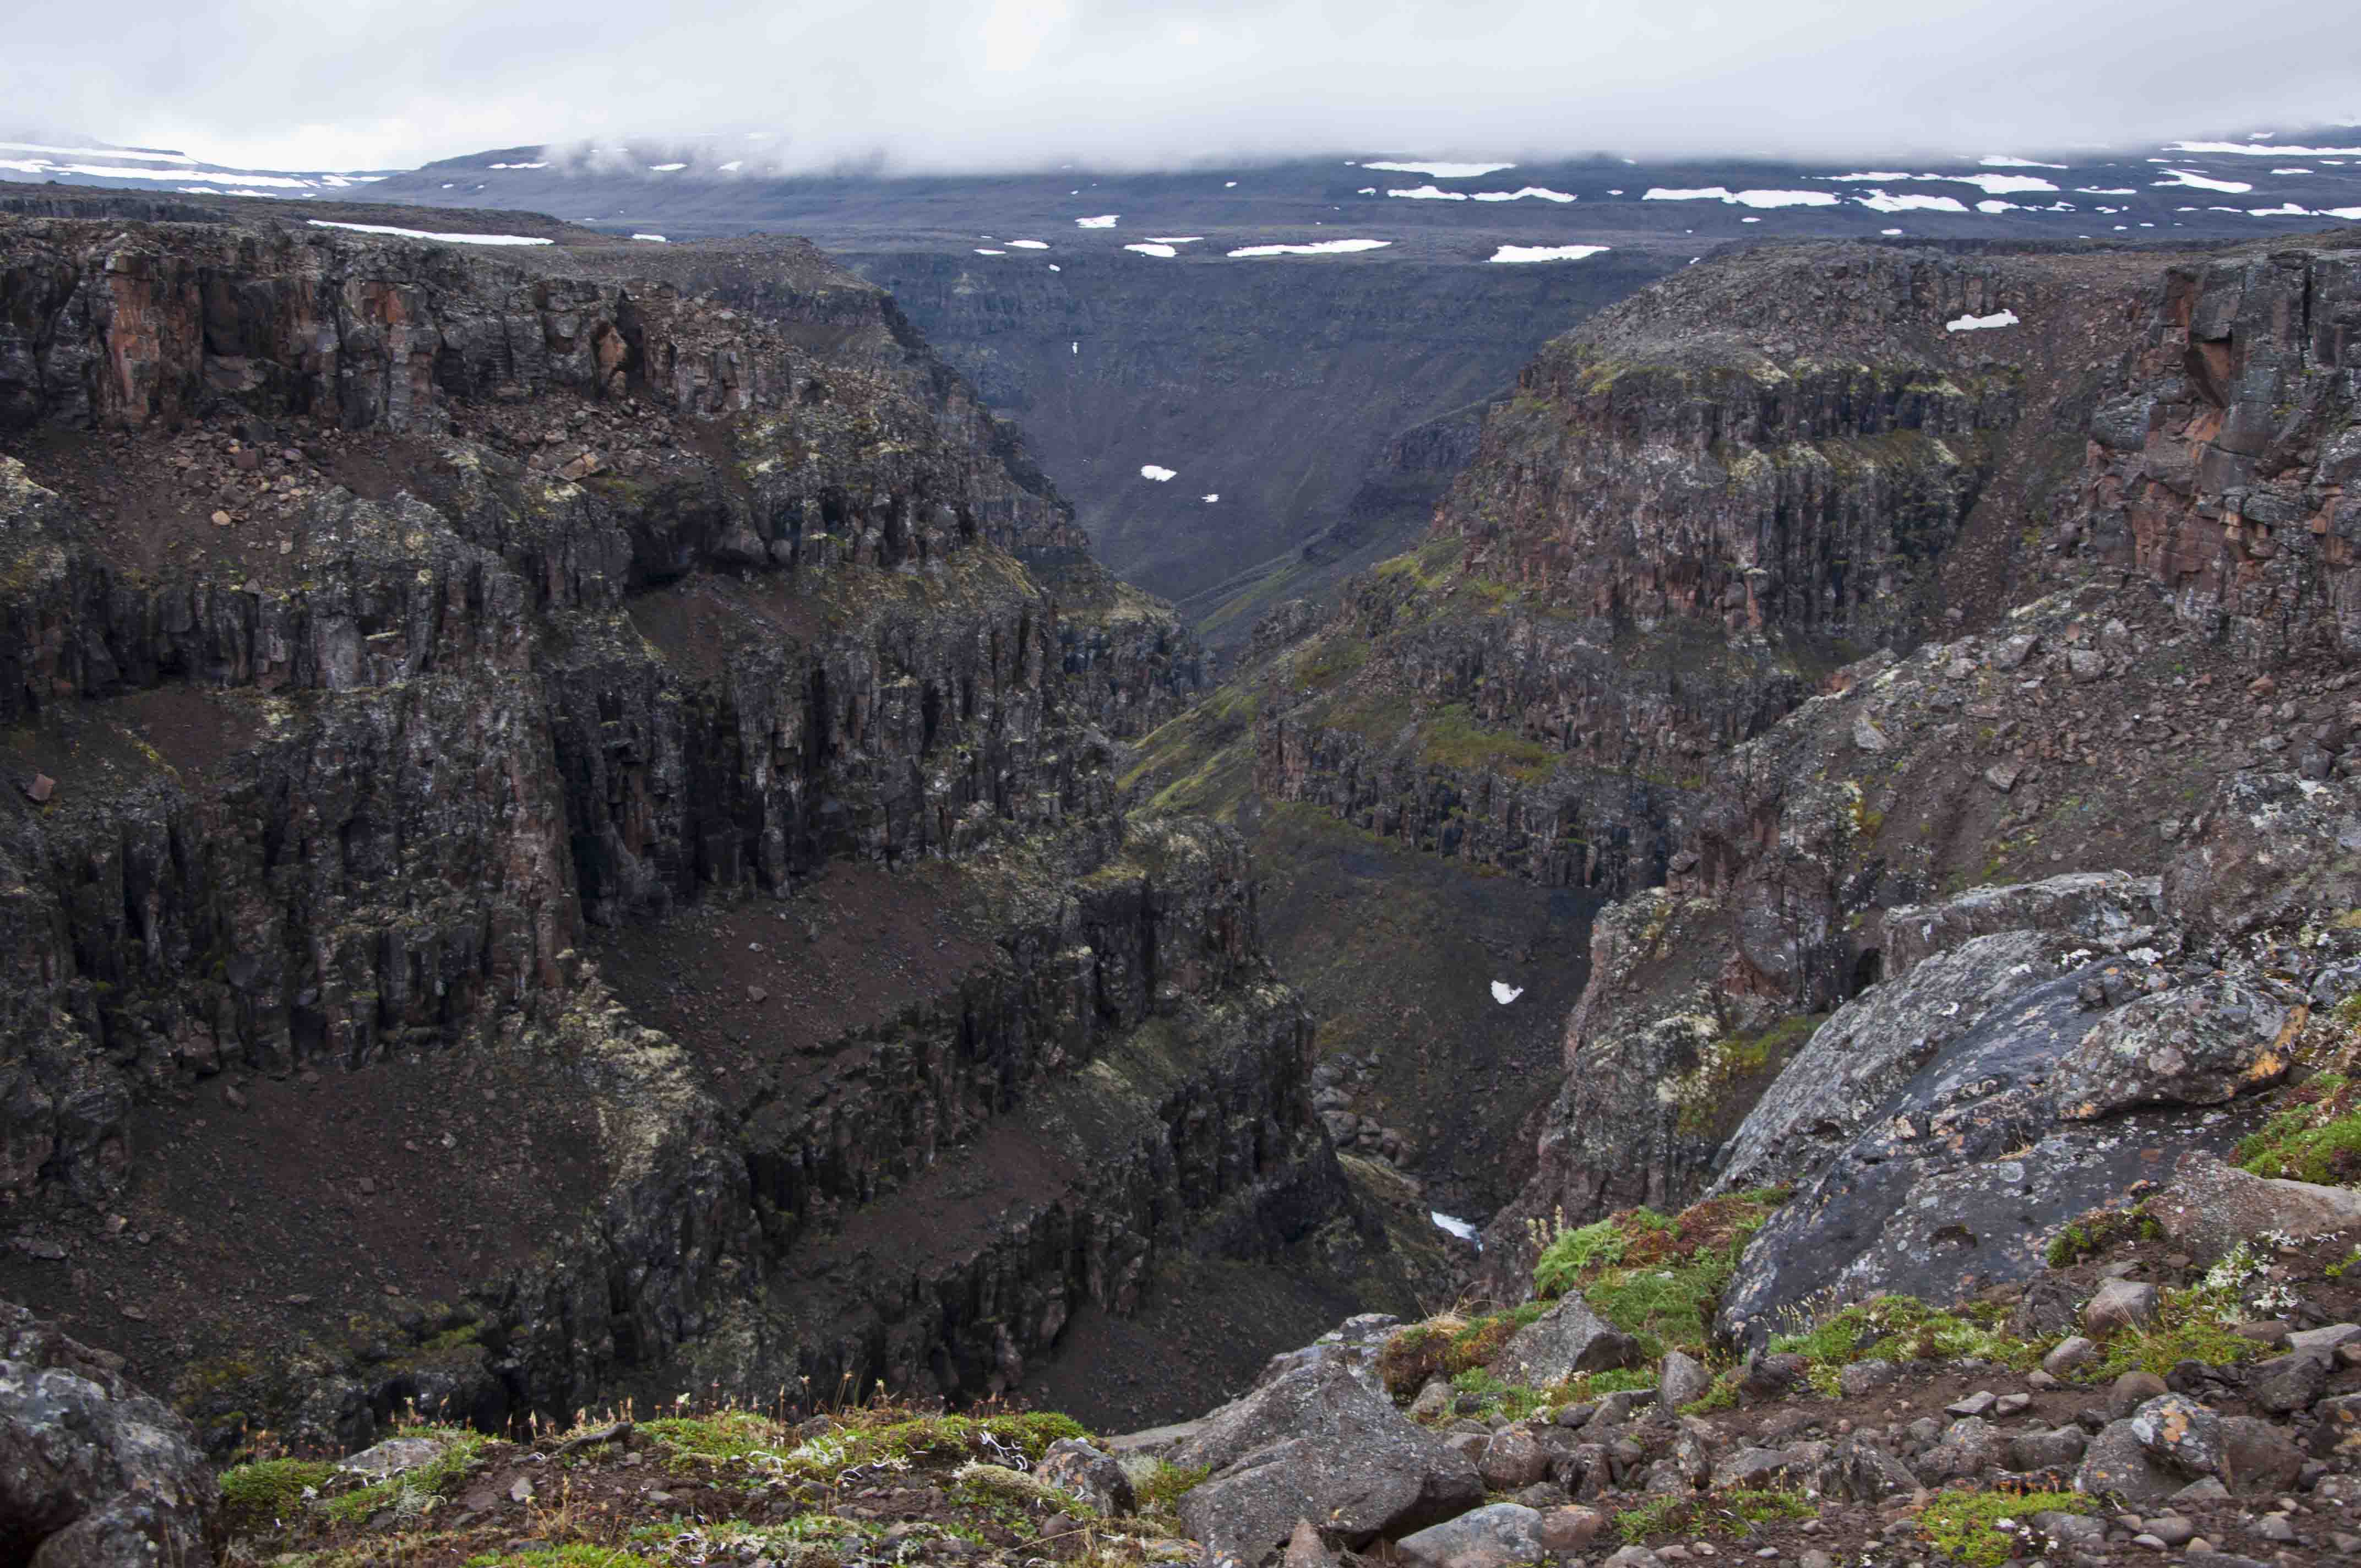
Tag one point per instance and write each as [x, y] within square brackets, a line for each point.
[1317, 248]
[2190, 178]
[1545, 252]
[438, 238]
[1879, 201]
[1103, 220]
[2252, 150]
[1746, 198]
[1504, 994]
[1977, 324]
[1161, 476]
[1442, 171]
[656, 238]
[1028, 245]
[1164, 250]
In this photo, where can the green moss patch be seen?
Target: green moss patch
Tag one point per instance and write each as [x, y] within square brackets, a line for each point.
[1903, 1327]
[1657, 1278]
[1984, 1527]
[258, 1496]
[2315, 1136]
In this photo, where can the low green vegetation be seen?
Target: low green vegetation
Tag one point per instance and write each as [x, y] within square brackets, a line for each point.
[2315, 1136]
[1735, 1513]
[2095, 1231]
[1903, 1327]
[1981, 1527]
[1453, 738]
[412, 1492]
[1448, 1346]
[2196, 1323]
[1657, 1278]
[257, 1496]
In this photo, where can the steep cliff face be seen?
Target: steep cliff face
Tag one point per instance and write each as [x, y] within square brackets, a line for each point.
[402, 652]
[1805, 586]
[2086, 729]
[2223, 452]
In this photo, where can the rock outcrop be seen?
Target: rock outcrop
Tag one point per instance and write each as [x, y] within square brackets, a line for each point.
[413, 649]
[92, 1470]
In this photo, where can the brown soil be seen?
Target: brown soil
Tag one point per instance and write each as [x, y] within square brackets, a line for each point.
[856, 948]
[265, 1211]
[695, 621]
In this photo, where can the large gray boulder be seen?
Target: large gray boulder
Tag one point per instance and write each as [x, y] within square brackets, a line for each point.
[1317, 1443]
[2118, 1464]
[2112, 908]
[2210, 1207]
[1858, 1059]
[1955, 1174]
[2190, 1045]
[93, 1473]
[1567, 1338]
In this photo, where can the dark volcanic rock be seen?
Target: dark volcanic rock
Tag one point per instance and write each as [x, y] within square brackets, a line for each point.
[92, 1471]
[1318, 1444]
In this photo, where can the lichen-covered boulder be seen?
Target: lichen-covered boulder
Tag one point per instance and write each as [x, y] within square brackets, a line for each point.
[93, 1473]
[1317, 1443]
[2210, 1207]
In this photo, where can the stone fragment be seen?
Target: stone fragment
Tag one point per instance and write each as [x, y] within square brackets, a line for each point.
[1489, 1536]
[1868, 737]
[2002, 776]
[1316, 1443]
[2056, 1449]
[1305, 1549]
[2119, 1304]
[2258, 1456]
[1680, 1379]
[1512, 1460]
[2117, 1464]
[2180, 1432]
[2069, 1356]
[41, 789]
[2210, 1207]
[1975, 1404]
[2128, 1393]
[1569, 1530]
[1969, 1447]
[1567, 1338]
[2286, 1384]
[1861, 1377]
[1097, 1478]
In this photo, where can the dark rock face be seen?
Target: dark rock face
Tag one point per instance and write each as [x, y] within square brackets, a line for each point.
[92, 1471]
[1944, 1125]
[2222, 453]
[546, 691]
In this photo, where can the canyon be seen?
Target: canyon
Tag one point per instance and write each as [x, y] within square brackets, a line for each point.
[587, 822]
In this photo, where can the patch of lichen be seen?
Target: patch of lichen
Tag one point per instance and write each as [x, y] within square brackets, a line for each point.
[1731, 1073]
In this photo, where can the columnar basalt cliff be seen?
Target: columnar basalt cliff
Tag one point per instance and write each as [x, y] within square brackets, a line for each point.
[401, 652]
[2222, 450]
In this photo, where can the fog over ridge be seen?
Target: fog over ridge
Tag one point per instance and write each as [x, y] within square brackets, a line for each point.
[920, 86]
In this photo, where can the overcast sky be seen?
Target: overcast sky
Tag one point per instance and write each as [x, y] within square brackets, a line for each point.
[995, 84]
